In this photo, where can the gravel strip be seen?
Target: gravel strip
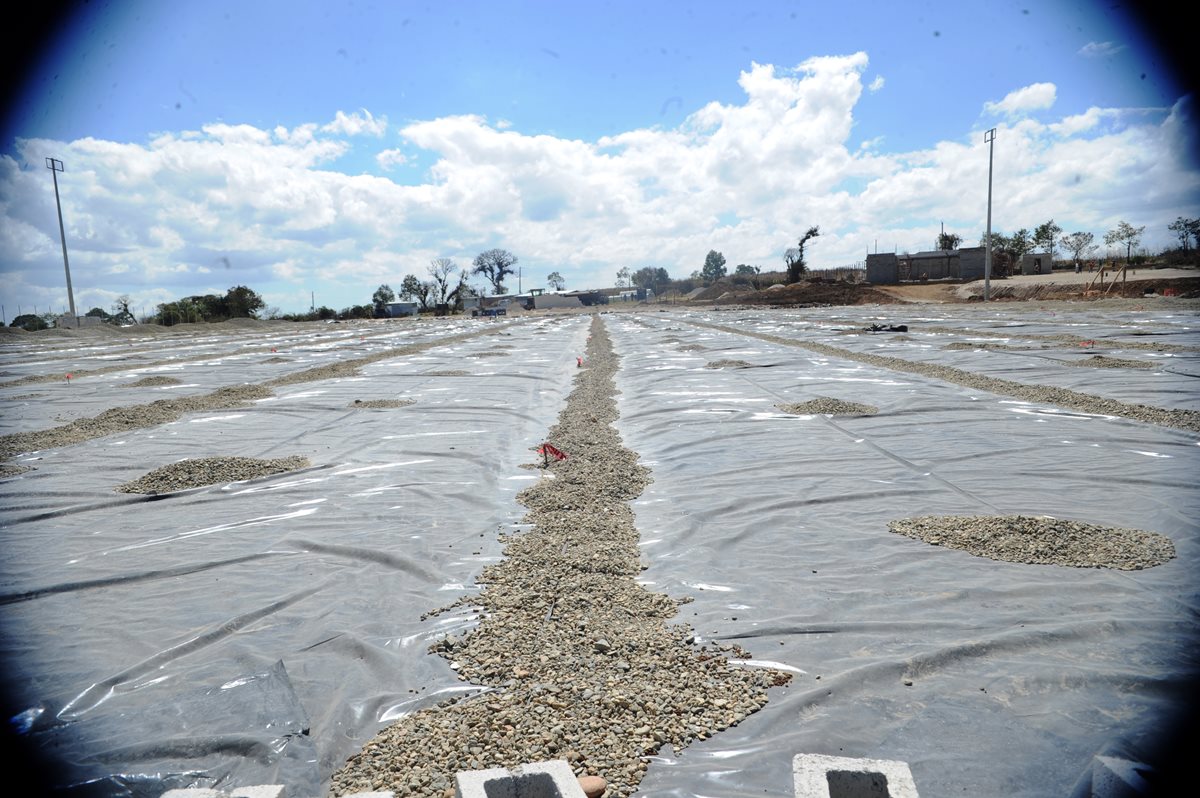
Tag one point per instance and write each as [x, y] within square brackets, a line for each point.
[583, 661]
[728, 364]
[203, 471]
[826, 406]
[446, 373]
[1059, 338]
[489, 354]
[1042, 394]
[8, 470]
[381, 404]
[958, 346]
[689, 348]
[1041, 540]
[164, 411]
[153, 382]
[1103, 362]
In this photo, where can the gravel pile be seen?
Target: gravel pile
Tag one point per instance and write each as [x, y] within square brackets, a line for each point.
[826, 406]
[209, 471]
[154, 382]
[1103, 362]
[1040, 394]
[584, 663]
[489, 354]
[278, 359]
[958, 346]
[8, 470]
[689, 348]
[1063, 339]
[381, 404]
[1041, 540]
[728, 364]
[446, 373]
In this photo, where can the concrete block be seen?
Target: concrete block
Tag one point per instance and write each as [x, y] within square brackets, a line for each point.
[1113, 777]
[553, 779]
[260, 791]
[820, 776]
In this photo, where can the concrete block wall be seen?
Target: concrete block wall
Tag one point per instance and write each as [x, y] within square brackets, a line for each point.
[821, 776]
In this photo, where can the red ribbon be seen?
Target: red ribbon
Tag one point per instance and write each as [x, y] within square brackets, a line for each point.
[546, 448]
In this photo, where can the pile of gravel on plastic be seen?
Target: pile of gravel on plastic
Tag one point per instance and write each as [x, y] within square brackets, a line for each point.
[689, 348]
[1104, 362]
[1041, 540]
[154, 382]
[446, 373]
[728, 364]
[8, 470]
[381, 404]
[961, 345]
[209, 471]
[488, 354]
[825, 406]
[278, 359]
[583, 661]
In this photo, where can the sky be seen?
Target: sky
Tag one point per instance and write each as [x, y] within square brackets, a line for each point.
[314, 151]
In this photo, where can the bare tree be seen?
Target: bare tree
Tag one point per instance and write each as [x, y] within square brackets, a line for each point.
[794, 256]
[441, 269]
[556, 281]
[495, 265]
[1078, 244]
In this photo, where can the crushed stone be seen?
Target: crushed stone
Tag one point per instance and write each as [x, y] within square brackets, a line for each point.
[728, 364]
[582, 661]
[1039, 540]
[201, 471]
[154, 382]
[381, 404]
[827, 406]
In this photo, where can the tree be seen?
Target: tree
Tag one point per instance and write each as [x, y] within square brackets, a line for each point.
[242, 303]
[495, 265]
[1046, 236]
[30, 322]
[1124, 233]
[99, 313]
[440, 270]
[1078, 244]
[714, 267]
[122, 314]
[794, 256]
[623, 278]
[416, 290]
[651, 277]
[1184, 230]
[556, 281]
[948, 240]
[380, 299]
[1019, 244]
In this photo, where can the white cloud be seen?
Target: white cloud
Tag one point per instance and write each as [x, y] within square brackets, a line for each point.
[876, 84]
[1035, 97]
[1100, 49]
[159, 220]
[390, 159]
[357, 123]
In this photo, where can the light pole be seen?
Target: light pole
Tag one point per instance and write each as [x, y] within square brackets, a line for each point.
[55, 166]
[989, 138]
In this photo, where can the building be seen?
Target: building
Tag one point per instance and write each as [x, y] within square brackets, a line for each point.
[1036, 263]
[398, 310]
[939, 264]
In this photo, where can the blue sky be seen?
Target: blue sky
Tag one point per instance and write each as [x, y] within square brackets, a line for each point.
[330, 147]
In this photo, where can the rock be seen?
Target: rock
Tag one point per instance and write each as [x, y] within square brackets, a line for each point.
[592, 786]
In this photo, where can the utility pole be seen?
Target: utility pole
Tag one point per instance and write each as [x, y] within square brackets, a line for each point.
[989, 138]
[55, 166]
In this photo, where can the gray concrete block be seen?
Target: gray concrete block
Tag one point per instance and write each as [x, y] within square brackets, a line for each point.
[821, 776]
[1113, 777]
[553, 779]
[260, 791]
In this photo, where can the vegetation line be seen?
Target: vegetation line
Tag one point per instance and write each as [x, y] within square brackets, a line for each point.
[1062, 397]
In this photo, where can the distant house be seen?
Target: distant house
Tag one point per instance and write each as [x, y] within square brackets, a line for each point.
[939, 264]
[398, 310]
[1036, 263]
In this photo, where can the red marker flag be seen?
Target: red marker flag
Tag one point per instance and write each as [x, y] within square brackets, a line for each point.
[546, 448]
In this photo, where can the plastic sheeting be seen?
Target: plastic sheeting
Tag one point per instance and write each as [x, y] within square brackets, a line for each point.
[777, 526]
[261, 632]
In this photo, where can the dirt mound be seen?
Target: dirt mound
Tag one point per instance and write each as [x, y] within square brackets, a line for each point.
[809, 293]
